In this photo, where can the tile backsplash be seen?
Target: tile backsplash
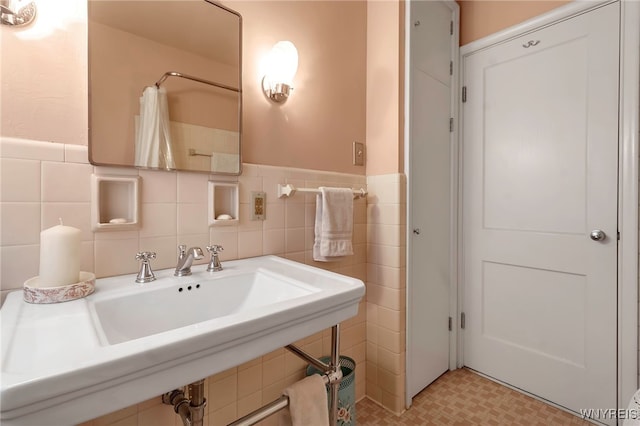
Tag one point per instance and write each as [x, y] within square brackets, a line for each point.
[386, 290]
[43, 181]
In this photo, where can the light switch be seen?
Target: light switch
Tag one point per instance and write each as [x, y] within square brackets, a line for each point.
[358, 154]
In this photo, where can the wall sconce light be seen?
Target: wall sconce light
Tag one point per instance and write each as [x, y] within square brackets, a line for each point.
[17, 12]
[281, 67]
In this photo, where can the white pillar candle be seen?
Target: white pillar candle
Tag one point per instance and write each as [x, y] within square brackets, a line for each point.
[59, 256]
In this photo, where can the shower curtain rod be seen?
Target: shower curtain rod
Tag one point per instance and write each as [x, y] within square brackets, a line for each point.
[199, 80]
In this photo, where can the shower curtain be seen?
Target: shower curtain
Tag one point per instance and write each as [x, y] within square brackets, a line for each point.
[153, 140]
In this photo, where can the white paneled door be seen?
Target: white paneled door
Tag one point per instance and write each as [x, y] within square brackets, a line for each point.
[539, 210]
[431, 215]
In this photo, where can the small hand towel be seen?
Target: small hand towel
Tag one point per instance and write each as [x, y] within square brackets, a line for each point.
[308, 404]
[334, 224]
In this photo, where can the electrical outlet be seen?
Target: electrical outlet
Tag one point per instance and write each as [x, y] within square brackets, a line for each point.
[358, 154]
[258, 206]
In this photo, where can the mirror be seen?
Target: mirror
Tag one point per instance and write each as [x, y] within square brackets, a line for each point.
[165, 85]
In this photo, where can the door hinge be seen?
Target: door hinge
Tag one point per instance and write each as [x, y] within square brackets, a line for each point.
[450, 67]
[464, 94]
[463, 322]
[451, 125]
[450, 323]
[451, 28]
[618, 235]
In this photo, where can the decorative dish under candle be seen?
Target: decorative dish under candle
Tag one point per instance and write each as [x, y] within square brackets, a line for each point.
[64, 293]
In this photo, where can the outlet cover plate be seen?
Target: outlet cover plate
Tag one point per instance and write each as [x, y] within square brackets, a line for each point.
[258, 205]
[358, 154]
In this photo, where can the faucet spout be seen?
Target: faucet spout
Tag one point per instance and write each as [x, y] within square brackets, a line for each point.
[186, 258]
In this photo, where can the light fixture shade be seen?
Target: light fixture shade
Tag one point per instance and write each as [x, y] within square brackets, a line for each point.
[283, 62]
[281, 68]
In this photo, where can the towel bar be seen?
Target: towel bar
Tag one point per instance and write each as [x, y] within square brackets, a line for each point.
[262, 413]
[289, 190]
[194, 152]
[333, 377]
[272, 407]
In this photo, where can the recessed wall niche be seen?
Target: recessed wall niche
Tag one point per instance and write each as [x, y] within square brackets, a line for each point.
[224, 205]
[115, 203]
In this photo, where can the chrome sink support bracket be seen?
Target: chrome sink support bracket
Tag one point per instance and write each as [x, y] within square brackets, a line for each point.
[198, 402]
[335, 369]
[190, 410]
[332, 377]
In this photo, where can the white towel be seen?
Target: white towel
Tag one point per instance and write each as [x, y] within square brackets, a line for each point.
[334, 224]
[308, 404]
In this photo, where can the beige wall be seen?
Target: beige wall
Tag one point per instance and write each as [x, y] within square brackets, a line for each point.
[479, 18]
[119, 74]
[44, 98]
[44, 84]
[385, 59]
[316, 126]
[314, 129]
[385, 112]
[44, 75]
[386, 205]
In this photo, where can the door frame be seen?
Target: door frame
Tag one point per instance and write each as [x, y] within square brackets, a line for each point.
[628, 174]
[453, 266]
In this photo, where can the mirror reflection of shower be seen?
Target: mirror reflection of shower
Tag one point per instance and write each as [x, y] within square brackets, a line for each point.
[178, 46]
[153, 137]
[153, 134]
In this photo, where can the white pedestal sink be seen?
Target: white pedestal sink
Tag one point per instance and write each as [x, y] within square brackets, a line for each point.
[70, 362]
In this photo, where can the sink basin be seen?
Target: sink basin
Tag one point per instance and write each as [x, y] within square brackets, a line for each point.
[197, 299]
[70, 362]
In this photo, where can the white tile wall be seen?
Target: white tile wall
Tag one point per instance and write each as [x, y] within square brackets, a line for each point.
[19, 180]
[20, 223]
[54, 182]
[386, 306]
[159, 187]
[66, 182]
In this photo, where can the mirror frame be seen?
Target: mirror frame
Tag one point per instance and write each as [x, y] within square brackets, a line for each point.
[240, 101]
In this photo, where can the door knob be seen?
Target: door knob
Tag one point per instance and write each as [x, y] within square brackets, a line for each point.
[416, 231]
[597, 235]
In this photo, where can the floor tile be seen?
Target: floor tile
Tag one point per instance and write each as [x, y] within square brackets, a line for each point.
[462, 398]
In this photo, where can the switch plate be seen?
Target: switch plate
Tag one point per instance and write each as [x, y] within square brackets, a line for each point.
[258, 206]
[358, 154]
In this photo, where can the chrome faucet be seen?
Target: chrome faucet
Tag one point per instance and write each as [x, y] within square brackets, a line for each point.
[186, 258]
[214, 263]
[146, 274]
